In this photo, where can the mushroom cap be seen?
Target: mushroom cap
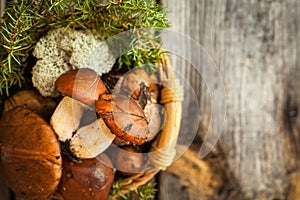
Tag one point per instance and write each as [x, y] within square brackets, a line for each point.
[30, 159]
[156, 117]
[129, 160]
[81, 84]
[124, 117]
[33, 101]
[90, 179]
[133, 80]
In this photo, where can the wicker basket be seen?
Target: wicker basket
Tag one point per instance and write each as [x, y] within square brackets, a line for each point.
[163, 148]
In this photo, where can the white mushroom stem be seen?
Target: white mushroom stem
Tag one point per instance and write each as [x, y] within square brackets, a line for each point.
[91, 140]
[66, 118]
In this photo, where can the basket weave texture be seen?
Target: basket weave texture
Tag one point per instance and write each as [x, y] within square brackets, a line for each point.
[163, 148]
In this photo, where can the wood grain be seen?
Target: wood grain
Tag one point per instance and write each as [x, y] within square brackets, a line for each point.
[195, 179]
[255, 46]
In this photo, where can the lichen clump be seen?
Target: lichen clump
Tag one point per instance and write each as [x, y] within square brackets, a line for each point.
[64, 49]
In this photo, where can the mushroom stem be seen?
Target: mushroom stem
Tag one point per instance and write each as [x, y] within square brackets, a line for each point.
[66, 118]
[91, 140]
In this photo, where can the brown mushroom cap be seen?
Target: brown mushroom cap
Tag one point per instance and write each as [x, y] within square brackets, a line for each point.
[31, 160]
[129, 160]
[133, 81]
[124, 117]
[91, 179]
[81, 84]
[155, 116]
[31, 100]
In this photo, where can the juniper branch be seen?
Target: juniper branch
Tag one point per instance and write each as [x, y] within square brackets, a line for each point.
[25, 22]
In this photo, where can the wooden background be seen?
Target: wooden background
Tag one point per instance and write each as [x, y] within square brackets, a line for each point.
[255, 45]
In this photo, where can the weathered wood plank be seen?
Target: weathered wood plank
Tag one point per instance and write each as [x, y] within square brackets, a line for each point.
[190, 178]
[255, 45]
[171, 188]
[292, 119]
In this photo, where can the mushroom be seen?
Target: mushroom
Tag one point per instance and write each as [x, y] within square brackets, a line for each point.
[155, 115]
[31, 100]
[84, 142]
[124, 117]
[90, 179]
[66, 118]
[135, 80]
[88, 117]
[129, 160]
[30, 159]
[144, 88]
[81, 84]
[91, 140]
[120, 142]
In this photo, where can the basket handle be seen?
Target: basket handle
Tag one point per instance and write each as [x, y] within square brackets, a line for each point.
[163, 149]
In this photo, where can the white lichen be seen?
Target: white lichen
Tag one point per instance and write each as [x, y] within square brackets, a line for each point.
[44, 74]
[87, 51]
[61, 50]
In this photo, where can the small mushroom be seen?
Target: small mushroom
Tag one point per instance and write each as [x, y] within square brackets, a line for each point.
[129, 160]
[66, 118]
[82, 84]
[134, 81]
[30, 159]
[144, 88]
[91, 140]
[33, 101]
[124, 117]
[154, 114]
[155, 117]
[90, 179]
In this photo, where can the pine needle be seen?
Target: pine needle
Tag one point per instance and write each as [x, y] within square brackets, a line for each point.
[26, 21]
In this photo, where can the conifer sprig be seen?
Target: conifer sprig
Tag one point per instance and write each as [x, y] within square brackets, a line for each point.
[25, 22]
[145, 192]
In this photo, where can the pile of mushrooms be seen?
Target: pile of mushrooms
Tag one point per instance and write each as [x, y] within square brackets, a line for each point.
[91, 133]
